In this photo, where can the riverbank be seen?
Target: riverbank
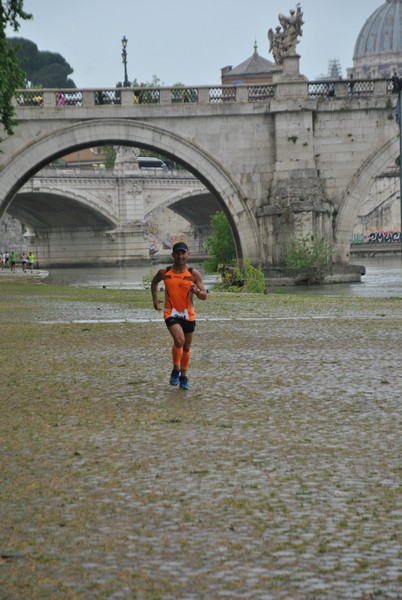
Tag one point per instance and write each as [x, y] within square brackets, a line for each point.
[373, 250]
[35, 274]
[276, 476]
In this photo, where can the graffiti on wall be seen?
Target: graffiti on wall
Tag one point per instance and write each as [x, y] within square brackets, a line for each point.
[377, 237]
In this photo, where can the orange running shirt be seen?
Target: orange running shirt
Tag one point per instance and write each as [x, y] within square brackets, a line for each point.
[178, 298]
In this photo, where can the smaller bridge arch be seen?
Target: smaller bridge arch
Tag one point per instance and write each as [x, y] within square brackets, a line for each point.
[45, 206]
[195, 204]
[356, 193]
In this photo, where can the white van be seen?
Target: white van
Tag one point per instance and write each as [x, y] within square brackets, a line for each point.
[145, 162]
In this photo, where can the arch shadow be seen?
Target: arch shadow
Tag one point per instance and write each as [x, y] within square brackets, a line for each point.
[57, 207]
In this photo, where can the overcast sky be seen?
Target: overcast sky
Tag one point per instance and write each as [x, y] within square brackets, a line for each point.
[186, 41]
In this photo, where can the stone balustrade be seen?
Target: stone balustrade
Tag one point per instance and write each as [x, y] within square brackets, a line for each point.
[219, 95]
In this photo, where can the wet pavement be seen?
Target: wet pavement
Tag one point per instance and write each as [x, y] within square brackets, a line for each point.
[277, 476]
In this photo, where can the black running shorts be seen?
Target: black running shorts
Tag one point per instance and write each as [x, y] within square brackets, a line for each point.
[187, 326]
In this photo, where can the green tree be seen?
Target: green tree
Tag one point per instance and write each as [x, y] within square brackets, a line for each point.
[11, 75]
[44, 68]
[221, 246]
[110, 156]
[155, 82]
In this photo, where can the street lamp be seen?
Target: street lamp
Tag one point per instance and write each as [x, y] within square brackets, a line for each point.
[397, 81]
[400, 156]
[124, 58]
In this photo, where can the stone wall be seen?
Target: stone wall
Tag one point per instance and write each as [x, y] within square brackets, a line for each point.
[11, 235]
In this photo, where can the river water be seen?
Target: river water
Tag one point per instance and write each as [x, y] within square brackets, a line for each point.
[383, 278]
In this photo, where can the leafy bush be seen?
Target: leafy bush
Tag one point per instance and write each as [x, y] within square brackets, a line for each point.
[232, 279]
[222, 249]
[254, 278]
[309, 257]
[248, 279]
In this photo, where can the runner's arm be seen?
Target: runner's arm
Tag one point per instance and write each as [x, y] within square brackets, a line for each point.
[154, 289]
[197, 287]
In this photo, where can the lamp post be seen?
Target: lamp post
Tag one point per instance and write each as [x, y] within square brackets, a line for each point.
[124, 58]
[400, 158]
[398, 88]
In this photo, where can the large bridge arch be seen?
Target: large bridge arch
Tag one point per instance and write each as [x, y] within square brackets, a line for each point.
[118, 131]
[356, 194]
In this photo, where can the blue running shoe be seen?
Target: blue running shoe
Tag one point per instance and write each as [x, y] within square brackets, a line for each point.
[174, 378]
[184, 383]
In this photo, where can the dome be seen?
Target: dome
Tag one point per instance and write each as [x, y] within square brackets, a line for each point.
[378, 48]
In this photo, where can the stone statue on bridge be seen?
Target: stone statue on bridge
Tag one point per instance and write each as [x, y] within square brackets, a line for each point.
[283, 41]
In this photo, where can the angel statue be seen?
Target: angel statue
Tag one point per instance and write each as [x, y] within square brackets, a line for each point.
[276, 44]
[283, 41]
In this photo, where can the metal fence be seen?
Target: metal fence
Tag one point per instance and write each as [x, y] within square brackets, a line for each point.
[342, 88]
[107, 97]
[260, 93]
[30, 98]
[222, 94]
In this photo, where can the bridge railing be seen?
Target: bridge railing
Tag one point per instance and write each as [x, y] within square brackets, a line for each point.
[352, 88]
[79, 173]
[321, 89]
[37, 98]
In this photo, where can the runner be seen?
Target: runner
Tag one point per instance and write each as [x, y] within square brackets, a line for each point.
[31, 261]
[181, 284]
[13, 260]
[24, 260]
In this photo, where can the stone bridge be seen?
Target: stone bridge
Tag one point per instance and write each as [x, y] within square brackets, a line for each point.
[293, 157]
[78, 211]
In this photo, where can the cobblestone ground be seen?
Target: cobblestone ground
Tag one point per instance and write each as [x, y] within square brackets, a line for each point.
[277, 476]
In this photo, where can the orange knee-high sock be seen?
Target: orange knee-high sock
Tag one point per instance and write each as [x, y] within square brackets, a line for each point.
[185, 360]
[177, 354]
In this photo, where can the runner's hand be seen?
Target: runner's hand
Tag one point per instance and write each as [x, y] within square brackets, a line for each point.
[158, 305]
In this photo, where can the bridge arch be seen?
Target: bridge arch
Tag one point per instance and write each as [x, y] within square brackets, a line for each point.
[356, 194]
[119, 131]
[175, 196]
[60, 206]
